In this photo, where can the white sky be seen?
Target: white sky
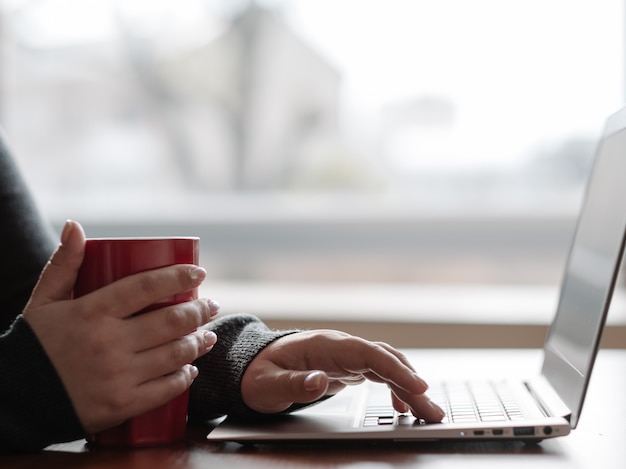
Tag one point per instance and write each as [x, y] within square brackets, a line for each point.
[541, 68]
[518, 71]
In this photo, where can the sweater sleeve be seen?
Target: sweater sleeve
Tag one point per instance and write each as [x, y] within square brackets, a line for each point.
[35, 410]
[217, 389]
[26, 241]
[34, 407]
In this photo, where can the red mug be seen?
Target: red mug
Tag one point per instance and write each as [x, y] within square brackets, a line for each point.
[107, 260]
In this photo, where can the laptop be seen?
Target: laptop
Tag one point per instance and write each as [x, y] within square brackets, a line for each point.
[545, 406]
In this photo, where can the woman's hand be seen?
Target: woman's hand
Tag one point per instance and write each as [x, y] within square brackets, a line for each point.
[303, 367]
[115, 365]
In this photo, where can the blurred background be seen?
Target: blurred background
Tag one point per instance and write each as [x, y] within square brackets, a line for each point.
[313, 145]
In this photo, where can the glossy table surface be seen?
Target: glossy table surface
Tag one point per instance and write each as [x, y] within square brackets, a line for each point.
[598, 442]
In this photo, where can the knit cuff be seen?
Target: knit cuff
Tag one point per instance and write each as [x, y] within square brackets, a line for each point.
[217, 390]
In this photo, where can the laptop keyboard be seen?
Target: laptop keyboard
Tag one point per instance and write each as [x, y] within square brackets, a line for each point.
[463, 402]
[466, 402]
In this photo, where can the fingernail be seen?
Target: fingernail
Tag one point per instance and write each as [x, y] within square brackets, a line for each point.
[67, 231]
[214, 308]
[197, 274]
[193, 371]
[210, 338]
[313, 381]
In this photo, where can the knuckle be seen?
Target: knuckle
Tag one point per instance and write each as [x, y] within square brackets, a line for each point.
[385, 347]
[176, 384]
[293, 384]
[197, 344]
[184, 277]
[92, 308]
[148, 285]
[183, 351]
[402, 357]
[204, 312]
[178, 353]
[118, 403]
[176, 319]
[186, 316]
[382, 346]
[353, 343]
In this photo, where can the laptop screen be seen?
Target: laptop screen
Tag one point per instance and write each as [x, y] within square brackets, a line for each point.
[591, 271]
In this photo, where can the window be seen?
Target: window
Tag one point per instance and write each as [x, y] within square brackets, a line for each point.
[355, 144]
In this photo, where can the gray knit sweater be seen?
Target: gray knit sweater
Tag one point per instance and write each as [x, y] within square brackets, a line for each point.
[35, 410]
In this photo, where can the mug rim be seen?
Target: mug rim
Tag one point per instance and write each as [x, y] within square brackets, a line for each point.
[145, 238]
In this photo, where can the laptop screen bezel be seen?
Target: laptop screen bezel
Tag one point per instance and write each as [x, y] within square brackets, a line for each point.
[568, 363]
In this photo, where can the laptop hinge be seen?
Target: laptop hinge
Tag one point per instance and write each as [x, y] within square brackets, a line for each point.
[547, 398]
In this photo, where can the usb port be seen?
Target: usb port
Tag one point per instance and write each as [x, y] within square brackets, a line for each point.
[497, 431]
[524, 431]
[479, 432]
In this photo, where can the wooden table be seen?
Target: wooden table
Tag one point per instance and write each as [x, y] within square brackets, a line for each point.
[598, 442]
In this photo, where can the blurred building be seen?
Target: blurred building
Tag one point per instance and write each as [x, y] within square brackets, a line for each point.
[254, 108]
[273, 99]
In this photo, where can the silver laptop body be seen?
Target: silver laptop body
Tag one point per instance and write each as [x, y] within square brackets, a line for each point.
[543, 407]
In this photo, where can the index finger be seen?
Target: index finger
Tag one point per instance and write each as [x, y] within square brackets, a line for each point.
[388, 365]
[131, 294]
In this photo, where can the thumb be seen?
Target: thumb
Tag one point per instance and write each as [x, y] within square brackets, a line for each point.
[281, 388]
[59, 275]
[303, 387]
